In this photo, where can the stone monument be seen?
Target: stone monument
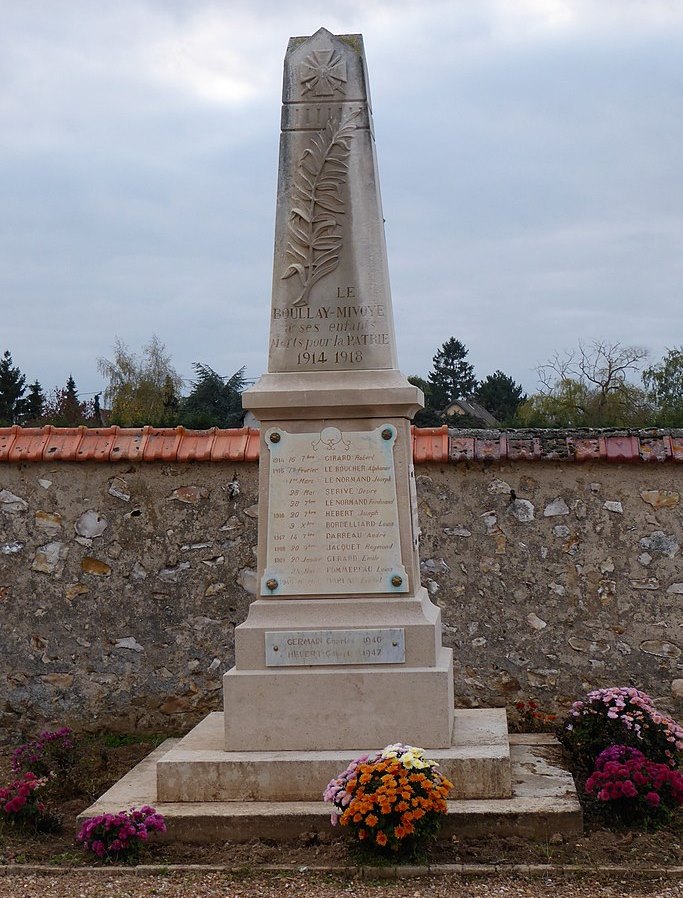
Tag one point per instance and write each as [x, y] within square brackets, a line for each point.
[342, 646]
[341, 651]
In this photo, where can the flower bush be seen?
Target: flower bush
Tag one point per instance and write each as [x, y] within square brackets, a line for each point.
[392, 800]
[633, 788]
[532, 719]
[51, 753]
[620, 715]
[21, 803]
[120, 836]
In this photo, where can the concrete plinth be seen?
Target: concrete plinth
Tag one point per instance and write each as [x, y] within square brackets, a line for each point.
[301, 710]
[477, 761]
[543, 801]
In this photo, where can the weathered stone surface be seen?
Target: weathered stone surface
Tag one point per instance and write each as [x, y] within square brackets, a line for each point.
[534, 576]
[11, 548]
[677, 689]
[74, 590]
[650, 583]
[189, 495]
[91, 524]
[522, 510]
[580, 508]
[490, 519]
[536, 622]
[663, 543]
[462, 532]
[213, 589]
[501, 542]
[50, 558]
[118, 487]
[90, 565]
[661, 498]
[497, 487]
[248, 581]
[11, 504]
[661, 648]
[60, 680]
[434, 566]
[129, 642]
[49, 522]
[557, 507]
[171, 573]
[614, 506]
[542, 679]
[592, 647]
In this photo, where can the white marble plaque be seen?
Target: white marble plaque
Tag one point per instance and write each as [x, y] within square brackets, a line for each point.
[333, 516]
[289, 648]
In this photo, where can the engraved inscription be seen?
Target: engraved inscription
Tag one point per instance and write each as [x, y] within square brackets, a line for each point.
[314, 237]
[333, 335]
[323, 73]
[333, 524]
[312, 116]
[286, 648]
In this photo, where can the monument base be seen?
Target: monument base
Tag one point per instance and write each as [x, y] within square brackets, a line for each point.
[543, 799]
[477, 761]
[297, 710]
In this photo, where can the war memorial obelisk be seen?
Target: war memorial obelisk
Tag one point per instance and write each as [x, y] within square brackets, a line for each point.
[341, 650]
[342, 647]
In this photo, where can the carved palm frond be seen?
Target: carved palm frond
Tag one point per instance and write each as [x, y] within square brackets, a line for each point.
[313, 230]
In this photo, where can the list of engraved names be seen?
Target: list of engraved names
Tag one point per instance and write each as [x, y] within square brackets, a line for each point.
[333, 517]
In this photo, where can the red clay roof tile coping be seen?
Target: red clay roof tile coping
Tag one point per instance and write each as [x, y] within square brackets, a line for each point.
[430, 444]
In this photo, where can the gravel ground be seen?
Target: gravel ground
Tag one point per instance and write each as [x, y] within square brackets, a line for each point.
[220, 885]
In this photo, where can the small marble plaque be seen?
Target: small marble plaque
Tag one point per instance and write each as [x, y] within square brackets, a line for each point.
[333, 515]
[303, 648]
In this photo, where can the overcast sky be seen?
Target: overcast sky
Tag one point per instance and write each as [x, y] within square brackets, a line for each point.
[530, 154]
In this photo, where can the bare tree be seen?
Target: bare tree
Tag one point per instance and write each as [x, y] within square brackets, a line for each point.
[590, 387]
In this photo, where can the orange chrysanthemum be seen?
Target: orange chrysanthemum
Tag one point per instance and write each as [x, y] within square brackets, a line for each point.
[381, 839]
[371, 820]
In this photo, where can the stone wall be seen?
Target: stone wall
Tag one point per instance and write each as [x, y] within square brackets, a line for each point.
[121, 584]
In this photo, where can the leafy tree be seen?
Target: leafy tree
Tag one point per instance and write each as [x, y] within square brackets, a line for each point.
[64, 409]
[664, 383]
[451, 376]
[427, 416]
[141, 390]
[588, 387]
[501, 396]
[213, 402]
[12, 388]
[34, 404]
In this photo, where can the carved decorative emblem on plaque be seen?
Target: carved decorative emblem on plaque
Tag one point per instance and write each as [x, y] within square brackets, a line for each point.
[323, 73]
[314, 228]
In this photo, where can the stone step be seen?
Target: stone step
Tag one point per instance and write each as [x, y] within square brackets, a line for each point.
[543, 801]
[198, 769]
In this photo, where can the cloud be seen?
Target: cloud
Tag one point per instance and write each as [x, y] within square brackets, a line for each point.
[529, 162]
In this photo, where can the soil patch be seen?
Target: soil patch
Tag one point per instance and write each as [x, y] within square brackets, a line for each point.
[106, 759]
